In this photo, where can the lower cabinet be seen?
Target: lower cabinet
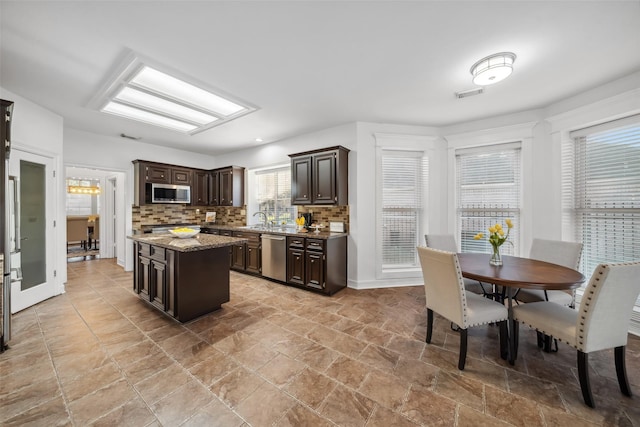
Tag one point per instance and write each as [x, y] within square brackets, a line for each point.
[154, 282]
[181, 284]
[317, 264]
[247, 257]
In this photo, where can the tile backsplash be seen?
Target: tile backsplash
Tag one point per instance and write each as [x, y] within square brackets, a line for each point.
[181, 214]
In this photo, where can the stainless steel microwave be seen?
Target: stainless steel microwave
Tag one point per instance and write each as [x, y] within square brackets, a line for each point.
[169, 193]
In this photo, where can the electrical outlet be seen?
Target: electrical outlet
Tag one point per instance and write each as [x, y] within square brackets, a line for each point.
[197, 211]
[243, 212]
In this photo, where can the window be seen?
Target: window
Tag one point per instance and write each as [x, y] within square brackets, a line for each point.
[271, 194]
[488, 192]
[404, 184]
[601, 193]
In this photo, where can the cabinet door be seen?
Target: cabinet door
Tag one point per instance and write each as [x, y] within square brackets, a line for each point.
[201, 189]
[214, 189]
[301, 180]
[295, 267]
[226, 187]
[237, 257]
[315, 270]
[158, 283]
[144, 277]
[157, 174]
[181, 176]
[324, 178]
[254, 258]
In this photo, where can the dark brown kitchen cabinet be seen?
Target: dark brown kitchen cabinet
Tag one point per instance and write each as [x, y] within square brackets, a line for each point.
[200, 196]
[301, 180]
[182, 176]
[146, 173]
[184, 285]
[317, 264]
[153, 283]
[320, 177]
[247, 257]
[227, 186]
[295, 260]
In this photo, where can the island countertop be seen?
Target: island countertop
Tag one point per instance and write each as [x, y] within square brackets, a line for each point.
[198, 243]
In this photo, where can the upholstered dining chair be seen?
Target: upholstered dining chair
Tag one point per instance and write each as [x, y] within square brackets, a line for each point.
[447, 242]
[601, 322]
[558, 252]
[446, 295]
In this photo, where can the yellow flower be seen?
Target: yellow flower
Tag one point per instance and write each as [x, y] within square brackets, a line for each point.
[478, 236]
[498, 227]
[501, 232]
[492, 230]
[509, 223]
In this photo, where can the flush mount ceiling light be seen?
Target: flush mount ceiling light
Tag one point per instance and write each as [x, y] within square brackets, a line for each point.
[144, 93]
[493, 68]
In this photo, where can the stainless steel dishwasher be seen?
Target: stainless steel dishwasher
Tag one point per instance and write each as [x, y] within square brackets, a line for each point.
[274, 257]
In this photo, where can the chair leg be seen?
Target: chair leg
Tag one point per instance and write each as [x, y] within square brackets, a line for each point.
[621, 370]
[463, 349]
[504, 339]
[583, 374]
[429, 325]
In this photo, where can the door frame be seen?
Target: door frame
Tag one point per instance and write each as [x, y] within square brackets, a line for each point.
[52, 230]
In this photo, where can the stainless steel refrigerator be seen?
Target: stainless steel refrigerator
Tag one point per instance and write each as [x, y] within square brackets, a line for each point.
[7, 194]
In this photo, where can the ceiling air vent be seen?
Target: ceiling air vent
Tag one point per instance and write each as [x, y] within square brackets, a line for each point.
[470, 92]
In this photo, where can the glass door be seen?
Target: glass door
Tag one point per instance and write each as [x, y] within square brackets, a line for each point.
[32, 212]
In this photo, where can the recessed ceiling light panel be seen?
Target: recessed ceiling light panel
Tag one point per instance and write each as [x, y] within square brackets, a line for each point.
[142, 92]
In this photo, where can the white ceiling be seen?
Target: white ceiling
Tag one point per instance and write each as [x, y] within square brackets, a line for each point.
[309, 65]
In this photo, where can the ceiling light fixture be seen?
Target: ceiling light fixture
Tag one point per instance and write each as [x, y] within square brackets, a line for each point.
[140, 91]
[493, 68]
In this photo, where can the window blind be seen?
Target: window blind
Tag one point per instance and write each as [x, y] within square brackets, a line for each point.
[404, 182]
[488, 191]
[601, 194]
[273, 194]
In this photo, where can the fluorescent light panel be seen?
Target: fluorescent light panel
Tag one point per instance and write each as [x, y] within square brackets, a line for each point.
[154, 97]
[147, 117]
[159, 82]
[151, 102]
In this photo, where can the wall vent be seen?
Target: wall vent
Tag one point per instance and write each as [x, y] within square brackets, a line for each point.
[470, 92]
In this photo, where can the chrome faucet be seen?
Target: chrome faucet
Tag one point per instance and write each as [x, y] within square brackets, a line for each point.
[264, 217]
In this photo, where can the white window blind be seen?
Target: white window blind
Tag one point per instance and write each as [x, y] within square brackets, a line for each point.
[404, 182]
[601, 194]
[272, 188]
[488, 191]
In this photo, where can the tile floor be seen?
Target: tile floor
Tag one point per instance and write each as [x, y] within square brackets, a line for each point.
[276, 355]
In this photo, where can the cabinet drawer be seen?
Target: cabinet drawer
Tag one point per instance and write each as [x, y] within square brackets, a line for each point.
[253, 237]
[295, 242]
[315, 245]
[153, 252]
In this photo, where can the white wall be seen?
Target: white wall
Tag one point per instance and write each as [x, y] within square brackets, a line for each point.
[38, 130]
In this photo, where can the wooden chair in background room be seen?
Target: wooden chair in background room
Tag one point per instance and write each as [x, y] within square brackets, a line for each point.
[446, 242]
[446, 295]
[600, 323]
[77, 228]
[96, 233]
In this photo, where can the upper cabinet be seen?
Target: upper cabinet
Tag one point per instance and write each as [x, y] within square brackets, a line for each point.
[200, 194]
[230, 186]
[320, 177]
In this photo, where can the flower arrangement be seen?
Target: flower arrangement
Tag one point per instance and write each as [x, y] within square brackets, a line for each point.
[497, 237]
[300, 222]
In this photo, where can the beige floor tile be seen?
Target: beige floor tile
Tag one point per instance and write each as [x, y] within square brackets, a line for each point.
[265, 405]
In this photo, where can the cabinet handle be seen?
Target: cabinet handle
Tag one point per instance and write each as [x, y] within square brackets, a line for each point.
[319, 194]
[305, 196]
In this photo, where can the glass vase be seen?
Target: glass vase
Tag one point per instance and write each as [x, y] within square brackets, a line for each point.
[496, 258]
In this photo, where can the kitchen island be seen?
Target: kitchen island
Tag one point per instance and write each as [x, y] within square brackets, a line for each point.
[184, 278]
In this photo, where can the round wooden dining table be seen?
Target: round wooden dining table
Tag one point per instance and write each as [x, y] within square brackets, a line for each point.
[516, 273]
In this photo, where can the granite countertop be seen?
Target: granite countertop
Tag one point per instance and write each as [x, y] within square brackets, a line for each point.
[198, 243]
[284, 231]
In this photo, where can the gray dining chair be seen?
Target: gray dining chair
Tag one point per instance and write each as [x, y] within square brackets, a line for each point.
[446, 295]
[447, 242]
[558, 252]
[601, 322]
